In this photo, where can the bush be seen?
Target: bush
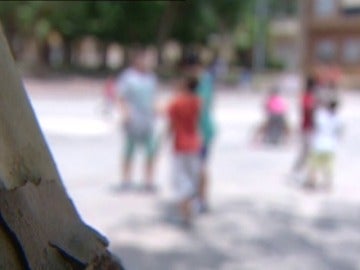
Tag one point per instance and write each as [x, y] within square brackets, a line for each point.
[275, 64]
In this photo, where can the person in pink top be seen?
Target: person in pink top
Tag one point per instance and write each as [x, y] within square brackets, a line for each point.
[275, 130]
[276, 105]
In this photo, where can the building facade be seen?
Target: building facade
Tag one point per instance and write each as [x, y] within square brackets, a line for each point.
[331, 34]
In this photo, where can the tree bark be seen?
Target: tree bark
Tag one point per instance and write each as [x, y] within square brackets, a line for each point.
[39, 225]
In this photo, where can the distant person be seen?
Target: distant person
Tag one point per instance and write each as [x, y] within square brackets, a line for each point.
[275, 128]
[184, 114]
[217, 68]
[205, 91]
[327, 130]
[245, 78]
[328, 75]
[109, 94]
[136, 88]
[308, 106]
[327, 93]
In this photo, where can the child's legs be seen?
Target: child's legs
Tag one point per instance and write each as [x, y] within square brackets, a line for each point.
[150, 148]
[304, 152]
[183, 184]
[328, 169]
[202, 173]
[313, 168]
[129, 149]
[185, 209]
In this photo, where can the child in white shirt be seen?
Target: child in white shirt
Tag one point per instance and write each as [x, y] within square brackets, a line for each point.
[327, 129]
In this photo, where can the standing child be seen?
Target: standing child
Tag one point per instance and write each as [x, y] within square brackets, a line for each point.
[184, 113]
[136, 90]
[205, 91]
[325, 138]
[308, 105]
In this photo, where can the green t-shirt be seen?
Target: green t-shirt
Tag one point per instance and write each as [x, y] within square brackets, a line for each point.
[206, 92]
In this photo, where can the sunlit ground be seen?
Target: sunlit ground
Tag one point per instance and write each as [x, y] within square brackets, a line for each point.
[257, 220]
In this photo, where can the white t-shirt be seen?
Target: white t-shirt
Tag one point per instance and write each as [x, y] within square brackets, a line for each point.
[326, 132]
[138, 89]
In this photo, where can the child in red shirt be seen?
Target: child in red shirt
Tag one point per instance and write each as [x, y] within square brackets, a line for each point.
[184, 114]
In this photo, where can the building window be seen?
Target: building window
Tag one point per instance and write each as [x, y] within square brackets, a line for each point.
[351, 51]
[350, 7]
[325, 50]
[324, 8]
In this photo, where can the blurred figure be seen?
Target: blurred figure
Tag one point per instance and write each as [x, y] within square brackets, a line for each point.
[327, 129]
[217, 68]
[109, 94]
[328, 76]
[245, 78]
[327, 93]
[205, 91]
[275, 130]
[184, 114]
[136, 88]
[308, 104]
[328, 73]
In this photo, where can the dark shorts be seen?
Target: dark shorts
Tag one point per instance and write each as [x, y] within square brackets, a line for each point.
[204, 152]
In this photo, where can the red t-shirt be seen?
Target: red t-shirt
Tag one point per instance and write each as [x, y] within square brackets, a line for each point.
[184, 113]
[307, 107]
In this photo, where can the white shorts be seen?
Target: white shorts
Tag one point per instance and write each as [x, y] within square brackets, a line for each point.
[186, 173]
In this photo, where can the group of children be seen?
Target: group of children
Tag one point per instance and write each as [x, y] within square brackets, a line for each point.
[320, 130]
[190, 128]
[184, 114]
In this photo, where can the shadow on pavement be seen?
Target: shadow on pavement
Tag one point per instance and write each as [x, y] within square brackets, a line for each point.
[244, 235]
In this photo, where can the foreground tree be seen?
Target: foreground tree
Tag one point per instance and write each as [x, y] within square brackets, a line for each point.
[39, 225]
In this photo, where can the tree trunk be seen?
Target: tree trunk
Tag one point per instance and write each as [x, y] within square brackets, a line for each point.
[103, 53]
[44, 50]
[127, 60]
[67, 52]
[39, 225]
[166, 22]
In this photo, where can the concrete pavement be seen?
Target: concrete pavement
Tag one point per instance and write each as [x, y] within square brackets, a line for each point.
[257, 220]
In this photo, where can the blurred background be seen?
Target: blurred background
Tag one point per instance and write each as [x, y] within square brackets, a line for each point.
[66, 52]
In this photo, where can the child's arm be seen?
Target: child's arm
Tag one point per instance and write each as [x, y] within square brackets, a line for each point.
[124, 109]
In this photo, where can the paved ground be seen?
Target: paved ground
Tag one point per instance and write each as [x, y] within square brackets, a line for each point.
[257, 220]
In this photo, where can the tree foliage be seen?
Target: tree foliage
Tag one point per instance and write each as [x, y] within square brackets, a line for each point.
[127, 22]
